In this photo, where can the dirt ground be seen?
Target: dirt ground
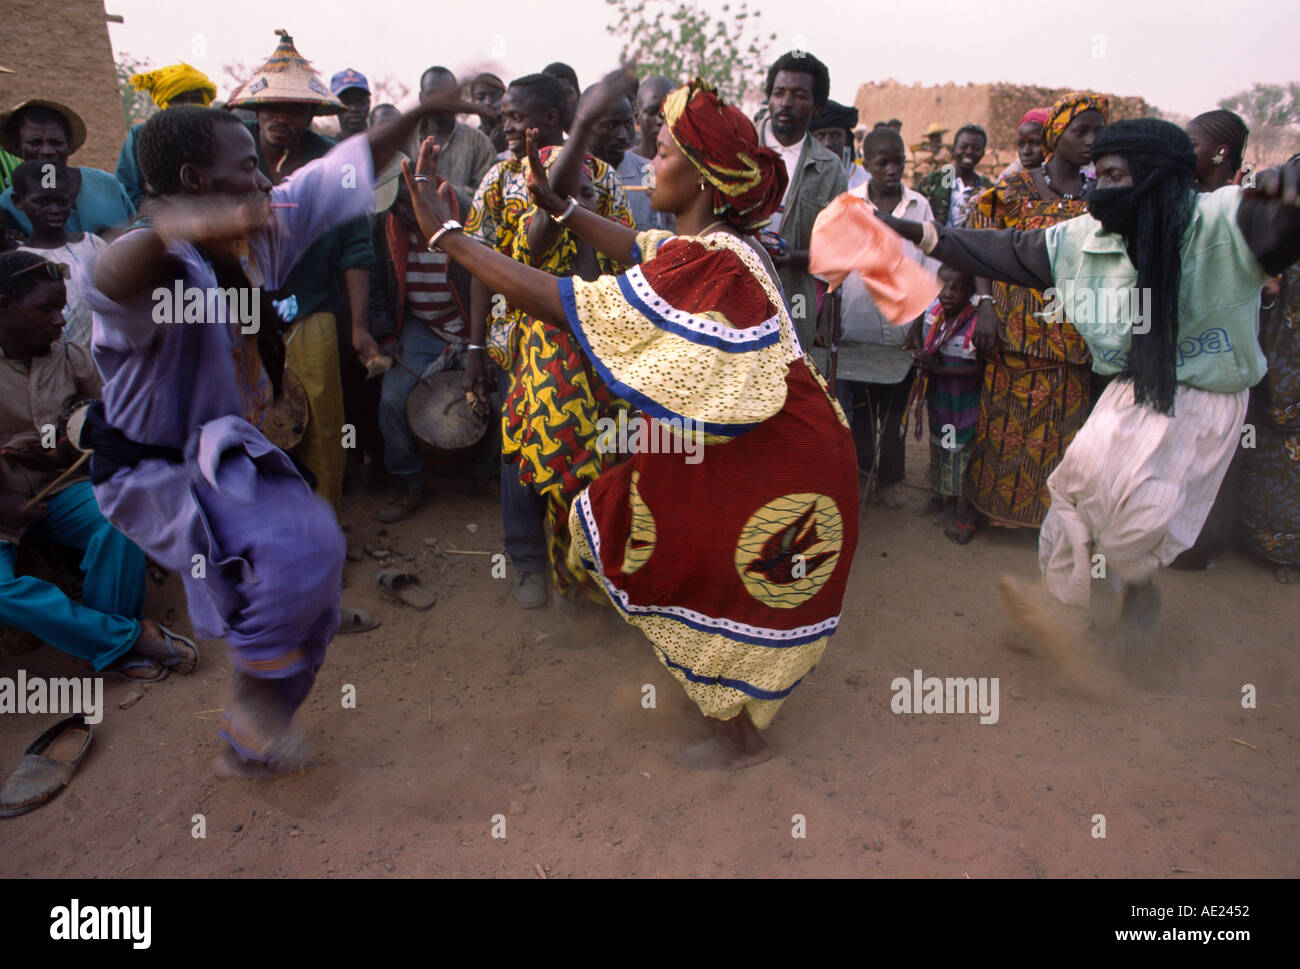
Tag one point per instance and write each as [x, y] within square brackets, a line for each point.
[479, 715]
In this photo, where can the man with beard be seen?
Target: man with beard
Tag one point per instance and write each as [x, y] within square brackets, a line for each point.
[798, 87]
[488, 90]
[465, 153]
[1137, 481]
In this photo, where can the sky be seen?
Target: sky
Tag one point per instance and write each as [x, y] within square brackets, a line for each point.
[1182, 56]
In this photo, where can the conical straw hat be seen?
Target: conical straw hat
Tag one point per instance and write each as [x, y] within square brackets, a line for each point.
[287, 78]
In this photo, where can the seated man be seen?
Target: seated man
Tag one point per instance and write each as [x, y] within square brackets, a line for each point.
[43, 375]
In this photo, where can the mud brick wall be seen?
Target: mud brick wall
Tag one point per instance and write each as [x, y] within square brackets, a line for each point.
[60, 49]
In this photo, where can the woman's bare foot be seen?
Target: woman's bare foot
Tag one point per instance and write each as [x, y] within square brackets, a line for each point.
[735, 745]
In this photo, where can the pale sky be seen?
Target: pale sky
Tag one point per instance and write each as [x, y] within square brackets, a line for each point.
[1181, 55]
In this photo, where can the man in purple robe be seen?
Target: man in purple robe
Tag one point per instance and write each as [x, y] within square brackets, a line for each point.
[178, 331]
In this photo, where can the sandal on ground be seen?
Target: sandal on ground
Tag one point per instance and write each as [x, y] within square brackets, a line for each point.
[46, 768]
[355, 621]
[405, 588]
[131, 662]
[178, 659]
[961, 532]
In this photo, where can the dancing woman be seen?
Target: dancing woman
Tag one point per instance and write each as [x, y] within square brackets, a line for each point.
[734, 566]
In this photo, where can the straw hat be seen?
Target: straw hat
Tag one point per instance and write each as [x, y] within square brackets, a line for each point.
[287, 78]
[76, 127]
[935, 129]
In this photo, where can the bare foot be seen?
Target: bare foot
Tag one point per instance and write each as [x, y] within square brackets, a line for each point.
[1287, 574]
[230, 766]
[735, 745]
[1138, 618]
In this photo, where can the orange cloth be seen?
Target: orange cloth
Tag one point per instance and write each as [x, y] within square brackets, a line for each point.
[847, 237]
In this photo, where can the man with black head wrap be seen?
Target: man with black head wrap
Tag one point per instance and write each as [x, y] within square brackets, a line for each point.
[1163, 284]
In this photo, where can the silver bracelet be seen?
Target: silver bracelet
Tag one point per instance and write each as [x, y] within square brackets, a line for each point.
[475, 346]
[446, 227]
[573, 204]
[981, 298]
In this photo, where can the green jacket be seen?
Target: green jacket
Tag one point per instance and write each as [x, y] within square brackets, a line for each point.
[938, 192]
[819, 177]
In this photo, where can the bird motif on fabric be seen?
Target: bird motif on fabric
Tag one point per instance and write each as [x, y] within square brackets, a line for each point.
[779, 557]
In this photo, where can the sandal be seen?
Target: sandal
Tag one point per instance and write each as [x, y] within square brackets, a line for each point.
[355, 621]
[405, 588]
[130, 661]
[46, 768]
[961, 532]
[177, 660]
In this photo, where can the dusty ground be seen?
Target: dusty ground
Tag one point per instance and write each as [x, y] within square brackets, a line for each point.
[477, 709]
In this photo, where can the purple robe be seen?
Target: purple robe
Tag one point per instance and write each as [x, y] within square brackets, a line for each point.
[260, 555]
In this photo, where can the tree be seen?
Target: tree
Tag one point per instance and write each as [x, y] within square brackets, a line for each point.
[1272, 112]
[137, 106]
[680, 42]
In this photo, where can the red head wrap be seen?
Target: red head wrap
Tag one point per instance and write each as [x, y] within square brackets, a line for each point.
[748, 179]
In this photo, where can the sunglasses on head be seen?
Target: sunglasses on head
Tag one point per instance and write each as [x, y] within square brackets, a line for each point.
[55, 270]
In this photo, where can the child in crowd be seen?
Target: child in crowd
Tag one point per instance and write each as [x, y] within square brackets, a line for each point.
[43, 192]
[949, 382]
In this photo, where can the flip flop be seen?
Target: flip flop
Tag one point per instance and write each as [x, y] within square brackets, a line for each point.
[177, 660]
[405, 587]
[133, 662]
[46, 767]
[356, 621]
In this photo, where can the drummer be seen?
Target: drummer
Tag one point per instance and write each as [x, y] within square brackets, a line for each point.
[875, 371]
[423, 322]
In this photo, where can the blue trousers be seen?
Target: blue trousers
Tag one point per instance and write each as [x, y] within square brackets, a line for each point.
[419, 347]
[106, 623]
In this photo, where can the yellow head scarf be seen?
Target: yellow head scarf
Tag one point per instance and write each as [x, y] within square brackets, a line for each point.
[166, 83]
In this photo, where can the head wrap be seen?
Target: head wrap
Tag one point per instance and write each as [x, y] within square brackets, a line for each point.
[835, 115]
[1153, 216]
[1225, 128]
[749, 180]
[1036, 116]
[286, 78]
[1065, 110]
[167, 82]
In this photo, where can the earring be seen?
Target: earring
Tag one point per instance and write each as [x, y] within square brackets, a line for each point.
[1219, 156]
[701, 183]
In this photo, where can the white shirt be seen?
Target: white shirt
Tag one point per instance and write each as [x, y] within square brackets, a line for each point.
[860, 320]
[790, 155]
[77, 256]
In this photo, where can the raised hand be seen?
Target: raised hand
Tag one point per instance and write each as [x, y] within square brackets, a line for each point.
[539, 184]
[598, 101]
[211, 219]
[430, 210]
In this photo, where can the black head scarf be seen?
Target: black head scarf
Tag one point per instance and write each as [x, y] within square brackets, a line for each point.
[835, 115]
[1153, 217]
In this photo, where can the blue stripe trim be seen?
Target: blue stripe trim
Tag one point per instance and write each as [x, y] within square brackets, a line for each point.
[597, 569]
[749, 689]
[628, 393]
[685, 332]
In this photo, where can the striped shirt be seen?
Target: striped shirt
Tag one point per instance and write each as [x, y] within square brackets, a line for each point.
[428, 290]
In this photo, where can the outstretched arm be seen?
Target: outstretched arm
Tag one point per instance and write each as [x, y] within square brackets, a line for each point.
[1269, 217]
[387, 139]
[606, 236]
[531, 290]
[1009, 255]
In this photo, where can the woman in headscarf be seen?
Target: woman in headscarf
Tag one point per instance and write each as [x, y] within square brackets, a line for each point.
[735, 565]
[1036, 387]
[1219, 140]
[1029, 142]
[1139, 478]
[174, 84]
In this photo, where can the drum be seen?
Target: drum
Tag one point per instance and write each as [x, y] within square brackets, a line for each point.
[285, 421]
[441, 420]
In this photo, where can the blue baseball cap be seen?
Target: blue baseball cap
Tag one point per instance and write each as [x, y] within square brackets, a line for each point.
[347, 78]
